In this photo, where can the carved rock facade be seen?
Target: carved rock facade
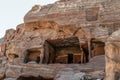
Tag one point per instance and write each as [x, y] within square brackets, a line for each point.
[64, 32]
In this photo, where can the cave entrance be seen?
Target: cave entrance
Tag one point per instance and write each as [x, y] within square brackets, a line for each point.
[93, 48]
[32, 55]
[33, 78]
[63, 50]
[97, 48]
[70, 58]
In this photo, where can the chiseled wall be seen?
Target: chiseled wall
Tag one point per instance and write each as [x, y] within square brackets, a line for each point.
[67, 50]
[98, 49]
[49, 53]
[62, 54]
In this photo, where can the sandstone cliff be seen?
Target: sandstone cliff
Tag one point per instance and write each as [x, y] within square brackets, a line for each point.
[51, 28]
[81, 18]
[92, 16]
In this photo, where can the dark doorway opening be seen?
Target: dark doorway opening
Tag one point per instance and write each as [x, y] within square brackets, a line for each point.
[32, 55]
[63, 51]
[70, 58]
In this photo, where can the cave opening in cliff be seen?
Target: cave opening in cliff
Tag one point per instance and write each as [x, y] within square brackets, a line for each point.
[117, 75]
[70, 58]
[63, 50]
[92, 48]
[32, 55]
[97, 47]
[11, 57]
[33, 78]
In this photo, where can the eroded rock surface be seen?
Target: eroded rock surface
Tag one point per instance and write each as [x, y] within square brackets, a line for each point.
[55, 71]
[112, 57]
[57, 34]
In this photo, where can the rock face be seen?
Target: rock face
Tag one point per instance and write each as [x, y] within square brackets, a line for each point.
[1, 47]
[112, 57]
[100, 17]
[68, 31]
[63, 19]
[19, 70]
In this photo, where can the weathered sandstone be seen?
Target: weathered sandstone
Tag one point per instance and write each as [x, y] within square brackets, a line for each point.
[55, 36]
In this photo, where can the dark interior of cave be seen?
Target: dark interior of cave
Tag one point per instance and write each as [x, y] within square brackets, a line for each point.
[32, 55]
[15, 56]
[65, 51]
[70, 58]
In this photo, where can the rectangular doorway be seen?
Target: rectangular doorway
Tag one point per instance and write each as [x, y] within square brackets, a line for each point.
[70, 58]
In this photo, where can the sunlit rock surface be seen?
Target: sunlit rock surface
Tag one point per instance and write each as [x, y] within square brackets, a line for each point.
[112, 56]
[48, 29]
